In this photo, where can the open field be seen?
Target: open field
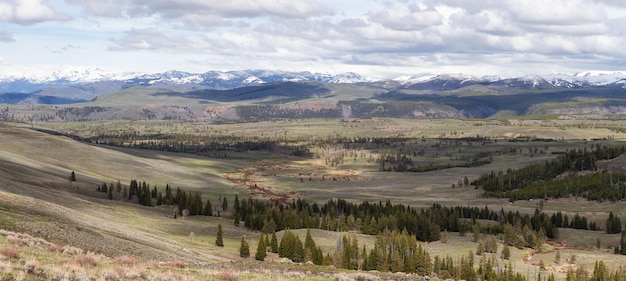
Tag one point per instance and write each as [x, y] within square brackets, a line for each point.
[38, 199]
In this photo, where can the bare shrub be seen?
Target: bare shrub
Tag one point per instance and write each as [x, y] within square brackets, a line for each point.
[12, 239]
[228, 274]
[88, 259]
[169, 276]
[69, 250]
[110, 275]
[126, 261]
[133, 274]
[54, 248]
[5, 266]
[33, 267]
[9, 253]
[69, 273]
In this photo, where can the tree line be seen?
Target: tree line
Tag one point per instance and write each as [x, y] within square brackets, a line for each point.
[560, 177]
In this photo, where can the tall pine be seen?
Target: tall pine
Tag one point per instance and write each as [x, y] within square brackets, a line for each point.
[244, 249]
[219, 240]
[261, 251]
[274, 243]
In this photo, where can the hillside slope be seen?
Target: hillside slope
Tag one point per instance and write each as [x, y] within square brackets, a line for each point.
[36, 197]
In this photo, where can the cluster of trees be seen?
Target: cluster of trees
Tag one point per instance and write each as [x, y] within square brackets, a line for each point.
[291, 247]
[185, 203]
[399, 162]
[540, 180]
[613, 224]
[219, 146]
[426, 224]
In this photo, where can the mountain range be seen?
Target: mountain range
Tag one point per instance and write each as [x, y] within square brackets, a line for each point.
[79, 85]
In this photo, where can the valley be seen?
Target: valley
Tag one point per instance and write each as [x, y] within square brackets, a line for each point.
[282, 161]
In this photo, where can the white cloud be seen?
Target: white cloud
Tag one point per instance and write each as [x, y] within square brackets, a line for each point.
[26, 12]
[401, 18]
[102, 8]
[370, 36]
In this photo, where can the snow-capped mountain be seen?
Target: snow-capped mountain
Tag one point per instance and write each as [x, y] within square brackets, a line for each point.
[212, 79]
[81, 84]
[444, 82]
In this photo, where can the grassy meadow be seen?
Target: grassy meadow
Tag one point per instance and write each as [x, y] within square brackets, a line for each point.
[37, 198]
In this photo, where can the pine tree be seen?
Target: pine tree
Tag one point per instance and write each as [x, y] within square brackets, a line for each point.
[309, 246]
[244, 249]
[261, 251]
[73, 176]
[622, 243]
[219, 240]
[274, 243]
[208, 209]
[110, 193]
[557, 257]
[224, 204]
[506, 252]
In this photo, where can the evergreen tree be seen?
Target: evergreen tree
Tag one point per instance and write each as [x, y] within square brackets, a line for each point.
[224, 204]
[244, 249]
[219, 240]
[557, 257]
[309, 247]
[159, 200]
[261, 249]
[622, 243]
[236, 205]
[274, 243]
[236, 218]
[208, 209]
[110, 193]
[506, 252]
[118, 186]
[73, 176]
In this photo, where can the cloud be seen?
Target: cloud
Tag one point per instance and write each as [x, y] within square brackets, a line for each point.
[152, 39]
[179, 9]
[27, 12]
[6, 36]
[401, 18]
[65, 48]
[101, 8]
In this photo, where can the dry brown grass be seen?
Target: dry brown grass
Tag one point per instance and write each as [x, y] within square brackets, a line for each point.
[53, 248]
[33, 267]
[9, 252]
[175, 264]
[126, 261]
[88, 259]
[228, 274]
[110, 275]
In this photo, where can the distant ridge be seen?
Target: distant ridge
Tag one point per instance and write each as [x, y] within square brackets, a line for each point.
[78, 85]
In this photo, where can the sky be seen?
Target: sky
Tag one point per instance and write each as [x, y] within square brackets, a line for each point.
[377, 38]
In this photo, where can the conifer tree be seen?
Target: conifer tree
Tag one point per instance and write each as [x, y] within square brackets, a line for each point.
[309, 246]
[208, 209]
[506, 252]
[110, 193]
[244, 249]
[261, 251]
[274, 243]
[622, 243]
[219, 240]
[73, 176]
[224, 204]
